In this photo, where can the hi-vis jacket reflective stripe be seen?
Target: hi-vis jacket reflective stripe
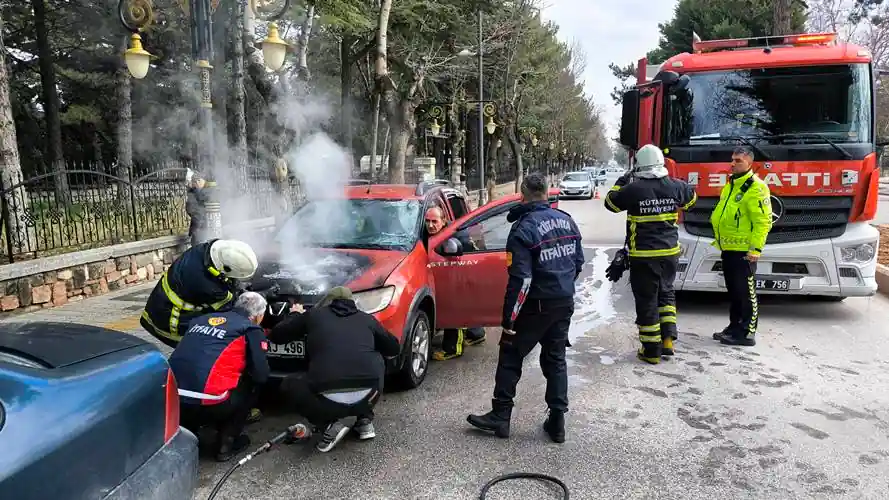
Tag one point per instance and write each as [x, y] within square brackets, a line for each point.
[743, 217]
[189, 288]
[652, 207]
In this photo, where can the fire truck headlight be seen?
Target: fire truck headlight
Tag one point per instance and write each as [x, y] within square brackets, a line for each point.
[859, 253]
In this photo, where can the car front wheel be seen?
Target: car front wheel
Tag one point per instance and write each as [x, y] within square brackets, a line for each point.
[417, 352]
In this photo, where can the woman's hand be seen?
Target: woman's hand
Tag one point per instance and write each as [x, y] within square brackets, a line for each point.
[297, 308]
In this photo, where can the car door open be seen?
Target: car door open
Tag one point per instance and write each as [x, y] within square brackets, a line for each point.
[468, 262]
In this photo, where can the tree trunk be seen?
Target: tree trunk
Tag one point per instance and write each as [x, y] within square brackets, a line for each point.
[237, 110]
[305, 34]
[18, 237]
[519, 161]
[51, 105]
[782, 17]
[346, 109]
[375, 138]
[124, 127]
[403, 123]
[383, 83]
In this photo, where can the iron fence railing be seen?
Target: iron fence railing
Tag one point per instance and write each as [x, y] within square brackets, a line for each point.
[88, 206]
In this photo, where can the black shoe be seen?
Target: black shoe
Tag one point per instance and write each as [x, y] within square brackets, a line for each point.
[721, 335]
[231, 447]
[555, 426]
[498, 422]
[742, 341]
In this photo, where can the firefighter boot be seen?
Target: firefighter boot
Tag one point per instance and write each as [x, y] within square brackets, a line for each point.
[650, 352]
[555, 426]
[496, 421]
[667, 347]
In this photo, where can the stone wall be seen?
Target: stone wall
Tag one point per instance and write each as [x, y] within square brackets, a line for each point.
[74, 283]
[55, 281]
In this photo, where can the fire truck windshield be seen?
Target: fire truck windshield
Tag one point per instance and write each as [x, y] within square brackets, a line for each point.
[824, 104]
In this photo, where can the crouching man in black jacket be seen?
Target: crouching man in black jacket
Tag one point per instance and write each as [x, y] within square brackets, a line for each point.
[345, 348]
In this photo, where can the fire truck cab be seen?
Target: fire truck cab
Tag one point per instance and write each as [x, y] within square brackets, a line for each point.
[805, 105]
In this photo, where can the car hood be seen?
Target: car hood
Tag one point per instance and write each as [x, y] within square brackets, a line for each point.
[307, 274]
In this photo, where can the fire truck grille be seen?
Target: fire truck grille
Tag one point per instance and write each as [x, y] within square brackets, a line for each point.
[805, 218]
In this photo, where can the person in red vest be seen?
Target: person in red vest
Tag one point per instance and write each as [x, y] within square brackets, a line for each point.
[219, 366]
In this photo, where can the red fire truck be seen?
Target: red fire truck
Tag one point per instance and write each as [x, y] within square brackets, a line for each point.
[805, 105]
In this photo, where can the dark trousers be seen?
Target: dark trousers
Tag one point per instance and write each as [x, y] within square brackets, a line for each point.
[740, 280]
[543, 322]
[651, 280]
[452, 340]
[228, 417]
[320, 411]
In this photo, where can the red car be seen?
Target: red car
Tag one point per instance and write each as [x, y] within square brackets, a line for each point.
[374, 241]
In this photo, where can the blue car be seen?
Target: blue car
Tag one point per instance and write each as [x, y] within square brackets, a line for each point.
[89, 413]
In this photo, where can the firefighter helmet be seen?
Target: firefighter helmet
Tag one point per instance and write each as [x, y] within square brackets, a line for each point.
[233, 258]
[649, 157]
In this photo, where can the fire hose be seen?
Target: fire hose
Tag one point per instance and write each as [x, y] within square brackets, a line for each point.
[299, 432]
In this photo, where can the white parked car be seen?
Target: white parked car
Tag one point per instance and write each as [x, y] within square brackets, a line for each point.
[577, 184]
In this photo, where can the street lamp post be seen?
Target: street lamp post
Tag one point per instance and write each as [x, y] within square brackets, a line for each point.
[481, 113]
[138, 15]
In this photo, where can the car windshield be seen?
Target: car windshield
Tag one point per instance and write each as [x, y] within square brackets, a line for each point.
[576, 177]
[825, 103]
[354, 223]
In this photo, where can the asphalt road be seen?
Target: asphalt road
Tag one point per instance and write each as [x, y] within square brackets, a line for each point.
[804, 414]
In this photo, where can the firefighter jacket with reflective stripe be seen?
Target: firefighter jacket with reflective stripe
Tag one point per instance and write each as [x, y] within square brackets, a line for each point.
[743, 217]
[652, 207]
[215, 352]
[189, 288]
[544, 256]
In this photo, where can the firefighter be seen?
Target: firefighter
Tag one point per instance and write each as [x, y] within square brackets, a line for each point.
[201, 280]
[453, 340]
[741, 223]
[544, 258]
[652, 200]
[219, 365]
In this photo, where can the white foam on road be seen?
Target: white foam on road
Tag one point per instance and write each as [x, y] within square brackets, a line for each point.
[593, 300]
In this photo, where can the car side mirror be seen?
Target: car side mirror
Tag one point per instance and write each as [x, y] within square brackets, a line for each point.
[452, 247]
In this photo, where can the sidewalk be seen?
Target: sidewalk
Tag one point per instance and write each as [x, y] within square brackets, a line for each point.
[119, 310]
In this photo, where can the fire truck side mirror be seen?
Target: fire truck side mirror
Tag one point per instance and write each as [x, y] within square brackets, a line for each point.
[629, 122]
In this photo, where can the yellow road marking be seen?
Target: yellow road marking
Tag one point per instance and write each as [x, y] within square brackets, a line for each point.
[125, 324]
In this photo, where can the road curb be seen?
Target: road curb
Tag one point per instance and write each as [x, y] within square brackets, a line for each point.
[883, 279]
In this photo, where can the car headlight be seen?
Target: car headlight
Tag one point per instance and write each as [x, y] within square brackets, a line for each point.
[864, 252]
[374, 300]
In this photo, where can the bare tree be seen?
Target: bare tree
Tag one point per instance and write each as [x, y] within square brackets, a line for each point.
[16, 199]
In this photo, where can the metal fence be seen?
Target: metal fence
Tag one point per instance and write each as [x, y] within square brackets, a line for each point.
[90, 205]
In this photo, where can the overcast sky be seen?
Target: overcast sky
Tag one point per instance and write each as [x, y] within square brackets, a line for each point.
[618, 31]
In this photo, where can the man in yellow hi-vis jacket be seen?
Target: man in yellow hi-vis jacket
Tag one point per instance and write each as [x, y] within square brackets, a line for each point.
[741, 223]
[652, 200]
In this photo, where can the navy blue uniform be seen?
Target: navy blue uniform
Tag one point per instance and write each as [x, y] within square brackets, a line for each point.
[545, 256]
[190, 288]
[221, 360]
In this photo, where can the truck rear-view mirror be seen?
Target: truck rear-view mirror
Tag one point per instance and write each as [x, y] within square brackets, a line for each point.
[629, 122]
